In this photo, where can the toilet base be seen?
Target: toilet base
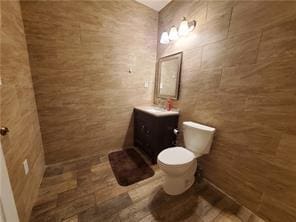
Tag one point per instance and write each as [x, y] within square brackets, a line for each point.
[175, 185]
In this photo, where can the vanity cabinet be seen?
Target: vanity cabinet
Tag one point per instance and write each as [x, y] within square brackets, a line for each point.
[153, 133]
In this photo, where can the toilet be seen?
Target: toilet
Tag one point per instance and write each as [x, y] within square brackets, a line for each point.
[179, 163]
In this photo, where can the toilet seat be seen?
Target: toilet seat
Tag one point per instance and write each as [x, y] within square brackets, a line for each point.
[176, 156]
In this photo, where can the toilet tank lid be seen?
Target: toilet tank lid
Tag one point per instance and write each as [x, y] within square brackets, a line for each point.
[198, 126]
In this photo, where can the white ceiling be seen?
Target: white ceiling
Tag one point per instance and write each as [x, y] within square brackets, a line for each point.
[155, 4]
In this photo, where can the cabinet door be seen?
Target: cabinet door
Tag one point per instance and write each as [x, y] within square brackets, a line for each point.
[143, 131]
[168, 138]
[138, 134]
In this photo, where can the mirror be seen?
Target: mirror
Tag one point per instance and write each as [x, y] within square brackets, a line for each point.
[168, 76]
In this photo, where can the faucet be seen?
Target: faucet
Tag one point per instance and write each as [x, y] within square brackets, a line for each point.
[161, 104]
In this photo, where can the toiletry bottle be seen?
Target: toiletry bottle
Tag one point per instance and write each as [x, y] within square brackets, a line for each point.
[169, 104]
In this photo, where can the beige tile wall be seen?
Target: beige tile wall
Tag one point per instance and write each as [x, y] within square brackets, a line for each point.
[239, 75]
[80, 55]
[19, 112]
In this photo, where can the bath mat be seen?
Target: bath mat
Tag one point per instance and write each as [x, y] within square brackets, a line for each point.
[129, 167]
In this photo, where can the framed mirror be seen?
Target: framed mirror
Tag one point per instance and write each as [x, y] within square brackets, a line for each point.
[168, 76]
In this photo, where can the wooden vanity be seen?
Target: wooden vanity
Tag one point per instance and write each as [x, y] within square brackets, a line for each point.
[154, 130]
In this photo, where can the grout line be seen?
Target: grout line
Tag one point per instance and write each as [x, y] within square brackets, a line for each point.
[230, 18]
[220, 80]
[201, 55]
[258, 46]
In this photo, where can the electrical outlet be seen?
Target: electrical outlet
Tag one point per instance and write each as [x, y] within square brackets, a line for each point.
[26, 166]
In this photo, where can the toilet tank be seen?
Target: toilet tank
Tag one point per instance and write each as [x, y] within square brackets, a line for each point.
[198, 138]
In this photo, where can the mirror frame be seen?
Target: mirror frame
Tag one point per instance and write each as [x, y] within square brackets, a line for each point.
[178, 55]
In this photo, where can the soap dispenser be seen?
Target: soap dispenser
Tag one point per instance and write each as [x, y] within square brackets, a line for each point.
[169, 104]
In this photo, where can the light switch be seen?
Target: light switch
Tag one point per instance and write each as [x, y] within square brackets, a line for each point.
[146, 85]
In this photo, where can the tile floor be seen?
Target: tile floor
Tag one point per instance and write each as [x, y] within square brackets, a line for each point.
[86, 191]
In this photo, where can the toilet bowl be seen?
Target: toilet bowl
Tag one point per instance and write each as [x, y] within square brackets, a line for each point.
[179, 163]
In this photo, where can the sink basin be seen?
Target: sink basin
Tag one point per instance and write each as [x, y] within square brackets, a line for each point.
[157, 111]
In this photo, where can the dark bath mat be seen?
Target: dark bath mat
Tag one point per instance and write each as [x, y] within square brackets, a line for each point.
[129, 167]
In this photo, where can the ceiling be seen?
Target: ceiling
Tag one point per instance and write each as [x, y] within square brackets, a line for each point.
[155, 4]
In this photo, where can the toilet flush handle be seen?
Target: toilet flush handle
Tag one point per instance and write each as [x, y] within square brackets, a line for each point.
[176, 131]
[4, 131]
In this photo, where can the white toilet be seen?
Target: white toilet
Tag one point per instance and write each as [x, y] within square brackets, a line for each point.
[179, 163]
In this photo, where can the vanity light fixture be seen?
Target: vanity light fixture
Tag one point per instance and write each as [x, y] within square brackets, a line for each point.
[164, 39]
[184, 28]
[173, 35]
[192, 25]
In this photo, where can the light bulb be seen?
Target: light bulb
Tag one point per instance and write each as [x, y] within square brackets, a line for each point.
[164, 39]
[184, 28]
[191, 25]
[173, 34]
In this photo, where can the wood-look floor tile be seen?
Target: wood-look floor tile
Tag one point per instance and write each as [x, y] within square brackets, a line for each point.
[41, 208]
[149, 218]
[75, 207]
[254, 218]
[85, 186]
[193, 218]
[177, 211]
[91, 215]
[244, 214]
[58, 188]
[53, 171]
[73, 194]
[88, 215]
[135, 212]
[110, 191]
[113, 206]
[46, 217]
[222, 206]
[97, 197]
[145, 190]
[226, 217]
[106, 211]
[71, 219]
[41, 199]
[51, 191]
[56, 179]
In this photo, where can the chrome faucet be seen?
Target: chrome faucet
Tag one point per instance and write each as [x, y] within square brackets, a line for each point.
[160, 104]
